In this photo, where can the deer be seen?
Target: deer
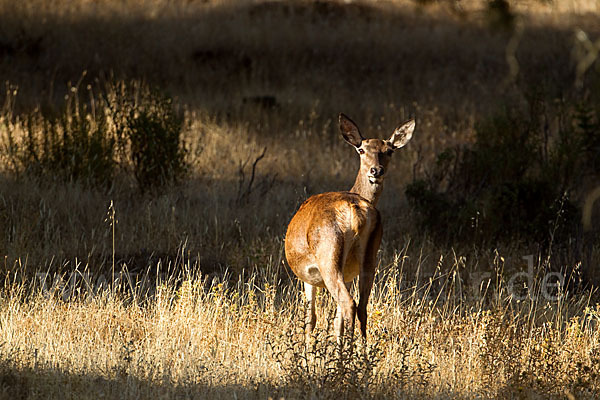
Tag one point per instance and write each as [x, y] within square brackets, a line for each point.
[335, 236]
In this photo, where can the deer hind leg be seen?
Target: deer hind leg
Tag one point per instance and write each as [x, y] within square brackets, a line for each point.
[367, 275]
[346, 307]
[331, 256]
[338, 323]
[311, 318]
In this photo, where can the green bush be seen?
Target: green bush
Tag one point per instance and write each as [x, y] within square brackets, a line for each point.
[514, 182]
[129, 128]
[154, 135]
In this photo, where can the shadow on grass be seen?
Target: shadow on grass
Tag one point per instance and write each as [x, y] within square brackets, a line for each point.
[29, 383]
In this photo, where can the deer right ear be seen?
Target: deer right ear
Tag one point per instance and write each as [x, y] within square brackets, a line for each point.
[402, 134]
[350, 131]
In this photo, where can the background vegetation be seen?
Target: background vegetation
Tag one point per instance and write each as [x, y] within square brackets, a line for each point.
[152, 153]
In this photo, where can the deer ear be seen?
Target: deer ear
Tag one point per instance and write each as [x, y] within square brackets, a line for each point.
[350, 131]
[402, 134]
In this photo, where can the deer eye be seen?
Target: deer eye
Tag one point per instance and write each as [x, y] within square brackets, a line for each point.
[361, 151]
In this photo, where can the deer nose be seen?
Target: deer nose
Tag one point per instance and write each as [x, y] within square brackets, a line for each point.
[377, 171]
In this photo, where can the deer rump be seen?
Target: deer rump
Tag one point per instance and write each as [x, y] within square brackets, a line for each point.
[330, 230]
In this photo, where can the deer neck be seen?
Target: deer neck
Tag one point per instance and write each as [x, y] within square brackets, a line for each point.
[366, 189]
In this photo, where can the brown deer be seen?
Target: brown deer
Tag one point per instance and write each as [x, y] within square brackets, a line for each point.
[334, 237]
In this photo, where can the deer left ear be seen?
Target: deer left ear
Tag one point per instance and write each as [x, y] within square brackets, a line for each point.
[402, 134]
[350, 131]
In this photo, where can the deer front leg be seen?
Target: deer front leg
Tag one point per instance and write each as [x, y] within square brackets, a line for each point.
[365, 284]
[367, 275]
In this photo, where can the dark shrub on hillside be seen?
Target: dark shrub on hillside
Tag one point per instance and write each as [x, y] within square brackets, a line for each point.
[514, 182]
[150, 133]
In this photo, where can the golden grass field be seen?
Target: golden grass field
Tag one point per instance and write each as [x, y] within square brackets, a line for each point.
[202, 304]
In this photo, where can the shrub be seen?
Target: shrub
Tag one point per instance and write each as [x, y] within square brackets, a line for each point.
[127, 128]
[514, 182]
[154, 135]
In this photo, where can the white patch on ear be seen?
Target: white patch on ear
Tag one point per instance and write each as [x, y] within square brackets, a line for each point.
[402, 134]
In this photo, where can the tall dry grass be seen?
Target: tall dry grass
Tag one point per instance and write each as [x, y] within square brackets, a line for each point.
[178, 334]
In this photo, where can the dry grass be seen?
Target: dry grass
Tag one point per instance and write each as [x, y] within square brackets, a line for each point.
[211, 310]
[187, 335]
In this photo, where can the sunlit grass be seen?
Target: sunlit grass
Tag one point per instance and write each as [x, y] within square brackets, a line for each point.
[175, 333]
